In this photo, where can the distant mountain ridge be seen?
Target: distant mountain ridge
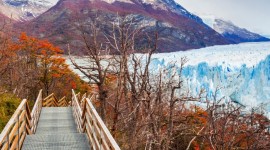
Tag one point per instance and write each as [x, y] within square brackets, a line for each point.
[177, 28]
[237, 34]
[22, 10]
[232, 32]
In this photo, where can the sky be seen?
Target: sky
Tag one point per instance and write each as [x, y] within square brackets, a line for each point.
[253, 15]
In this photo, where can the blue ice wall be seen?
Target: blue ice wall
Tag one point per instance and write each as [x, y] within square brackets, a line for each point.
[246, 85]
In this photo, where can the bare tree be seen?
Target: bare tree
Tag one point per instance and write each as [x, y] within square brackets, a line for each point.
[97, 69]
[152, 109]
[230, 127]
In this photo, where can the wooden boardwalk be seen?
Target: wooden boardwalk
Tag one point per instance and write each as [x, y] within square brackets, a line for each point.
[57, 124]
[56, 130]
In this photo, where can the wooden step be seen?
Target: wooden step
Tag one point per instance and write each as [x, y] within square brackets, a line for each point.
[56, 109]
[55, 122]
[56, 142]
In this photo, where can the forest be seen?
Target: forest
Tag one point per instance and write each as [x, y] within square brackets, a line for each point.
[143, 109]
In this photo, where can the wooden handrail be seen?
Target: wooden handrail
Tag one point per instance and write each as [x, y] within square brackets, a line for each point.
[52, 101]
[63, 102]
[17, 127]
[35, 114]
[23, 122]
[89, 121]
[77, 111]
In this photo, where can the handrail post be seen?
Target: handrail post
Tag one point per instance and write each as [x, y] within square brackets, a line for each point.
[8, 141]
[18, 131]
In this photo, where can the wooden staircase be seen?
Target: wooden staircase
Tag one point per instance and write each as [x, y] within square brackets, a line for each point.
[56, 130]
[57, 124]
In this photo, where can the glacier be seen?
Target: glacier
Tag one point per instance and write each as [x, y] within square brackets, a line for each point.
[241, 72]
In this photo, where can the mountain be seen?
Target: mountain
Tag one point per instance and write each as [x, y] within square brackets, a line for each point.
[267, 36]
[236, 34]
[177, 28]
[232, 32]
[21, 10]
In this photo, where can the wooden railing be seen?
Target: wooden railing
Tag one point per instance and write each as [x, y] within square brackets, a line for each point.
[89, 122]
[35, 114]
[22, 122]
[19, 125]
[77, 111]
[52, 101]
[63, 102]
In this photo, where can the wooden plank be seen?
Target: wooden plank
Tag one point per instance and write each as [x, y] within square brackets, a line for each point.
[22, 116]
[5, 146]
[11, 121]
[50, 101]
[22, 126]
[84, 96]
[63, 103]
[105, 141]
[15, 142]
[78, 112]
[95, 128]
[46, 103]
[22, 140]
[28, 111]
[37, 103]
[13, 131]
[63, 98]
[93, 142]
[48, 97]
[96, 141]
[88, 137]
[28, 118]
[28, 122]
[84, 110]
[28, 130]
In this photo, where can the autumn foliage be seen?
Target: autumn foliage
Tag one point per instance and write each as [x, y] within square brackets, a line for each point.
[28, 64]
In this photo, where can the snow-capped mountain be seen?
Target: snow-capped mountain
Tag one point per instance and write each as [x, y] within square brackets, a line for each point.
[177, 28]
[25, 9]
[267, 36]
[236, 34]
[232, 32]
